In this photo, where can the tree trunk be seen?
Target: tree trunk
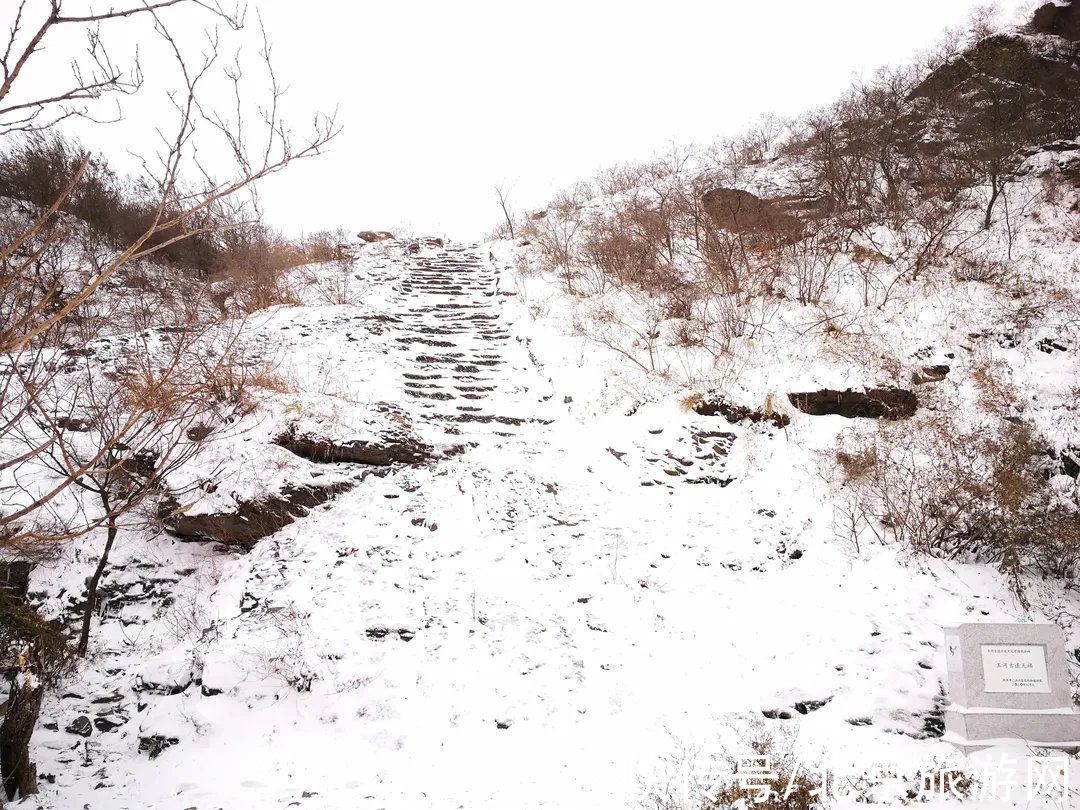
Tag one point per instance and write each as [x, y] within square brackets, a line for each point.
[24, 704]
[92, 587]
[995, 190]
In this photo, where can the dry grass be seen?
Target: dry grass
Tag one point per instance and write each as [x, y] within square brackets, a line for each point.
[691, 402]
[233, 381]
[857, 464]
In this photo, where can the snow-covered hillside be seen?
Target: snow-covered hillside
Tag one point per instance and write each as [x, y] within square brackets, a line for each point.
[577, 582]
[695, 465]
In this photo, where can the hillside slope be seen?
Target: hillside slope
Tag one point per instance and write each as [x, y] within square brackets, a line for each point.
[594, 579]
[698, 465]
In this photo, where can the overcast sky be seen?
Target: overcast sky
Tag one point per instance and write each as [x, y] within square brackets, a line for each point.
[440, 101]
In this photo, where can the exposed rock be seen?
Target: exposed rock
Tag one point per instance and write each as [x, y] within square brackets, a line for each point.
[162, 688]
[715, 404]
[873, 403]
[199, 432]
[1009, 58]
[80, 726]
[73, 424]
[741, 212]
[401, 447]
[807, 706]
[156, 743]
[252, 520]
[374, 236]
[1067, 462]
[15, 577]
[929, 374]
[142, 463]
[109, 723]
[776, 714]
[1061, 21]
[403, 633]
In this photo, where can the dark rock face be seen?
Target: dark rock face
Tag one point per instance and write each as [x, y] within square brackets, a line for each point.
[741, 212]
[717, 405]
[1067, 462]
[1006, 58]
[1062, 21]
[398, 448]
[874, 403]
[15, 578]
[252, 520]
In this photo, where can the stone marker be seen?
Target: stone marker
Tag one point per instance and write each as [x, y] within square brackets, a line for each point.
[1008, 683]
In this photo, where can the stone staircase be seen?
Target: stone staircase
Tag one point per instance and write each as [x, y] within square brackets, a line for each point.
[451, 330]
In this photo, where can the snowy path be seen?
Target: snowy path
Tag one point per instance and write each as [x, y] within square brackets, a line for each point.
[531, 623]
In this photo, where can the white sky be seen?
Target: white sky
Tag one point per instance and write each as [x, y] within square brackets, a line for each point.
[440, 101]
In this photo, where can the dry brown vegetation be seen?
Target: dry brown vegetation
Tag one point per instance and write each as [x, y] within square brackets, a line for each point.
[978, 492]
[908, 178]
[893, 180]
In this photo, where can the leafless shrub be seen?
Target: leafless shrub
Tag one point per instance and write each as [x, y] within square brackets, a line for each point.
[978, 493]
[813, 263]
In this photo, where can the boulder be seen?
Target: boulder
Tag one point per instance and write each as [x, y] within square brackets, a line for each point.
[873, 403]
[81, 726]
[741, 212]
[374, 236]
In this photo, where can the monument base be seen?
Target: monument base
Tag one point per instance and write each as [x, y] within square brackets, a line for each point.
[974, 729]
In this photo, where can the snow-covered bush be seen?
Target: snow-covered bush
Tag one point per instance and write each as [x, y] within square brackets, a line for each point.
[971, 491]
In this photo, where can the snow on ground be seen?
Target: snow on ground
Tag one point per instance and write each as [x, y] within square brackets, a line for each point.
[599, 579]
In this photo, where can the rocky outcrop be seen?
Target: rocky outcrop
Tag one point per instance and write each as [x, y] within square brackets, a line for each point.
[374, 236]
[743, 213]
[15, 578]
[1047, 70]
[1057, 20]
[873, 403]
[715, 404]
[401, 448]
[251, 520]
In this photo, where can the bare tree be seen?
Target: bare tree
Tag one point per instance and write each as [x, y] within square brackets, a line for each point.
[503, 195]
[38, 311]
[132, 433]
[132, 423]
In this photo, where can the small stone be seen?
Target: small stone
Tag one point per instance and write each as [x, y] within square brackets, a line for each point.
[109, 723]
[81, 726]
